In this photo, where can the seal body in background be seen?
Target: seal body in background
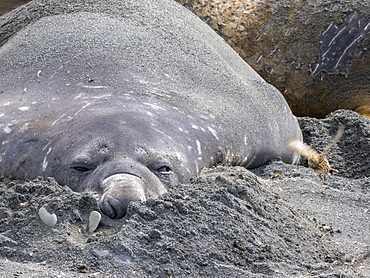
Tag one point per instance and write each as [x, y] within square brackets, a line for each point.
[315, 53]
[128, 100]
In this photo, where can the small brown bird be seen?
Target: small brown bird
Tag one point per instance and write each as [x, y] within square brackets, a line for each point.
[318, 162]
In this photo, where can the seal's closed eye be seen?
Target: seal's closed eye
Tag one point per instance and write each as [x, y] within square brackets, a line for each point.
[81, 168]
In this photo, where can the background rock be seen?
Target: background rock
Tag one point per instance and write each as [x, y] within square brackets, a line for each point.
[281, 41]
[8, 5]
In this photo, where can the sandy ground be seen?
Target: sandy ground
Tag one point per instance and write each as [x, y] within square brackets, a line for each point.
[278, 220]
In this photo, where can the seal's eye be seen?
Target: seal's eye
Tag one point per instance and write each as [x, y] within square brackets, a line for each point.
[165, 170]
[80, 168]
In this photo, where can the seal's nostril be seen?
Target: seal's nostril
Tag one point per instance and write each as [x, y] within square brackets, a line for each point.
[108, 209]
[113, 208]
[122, 189]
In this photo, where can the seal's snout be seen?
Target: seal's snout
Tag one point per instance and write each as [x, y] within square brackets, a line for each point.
[121, 189]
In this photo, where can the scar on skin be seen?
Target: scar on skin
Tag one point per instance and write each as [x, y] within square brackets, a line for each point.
[341, 43]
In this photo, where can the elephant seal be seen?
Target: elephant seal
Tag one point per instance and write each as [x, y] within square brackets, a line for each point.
[128, 100]
[316, 54]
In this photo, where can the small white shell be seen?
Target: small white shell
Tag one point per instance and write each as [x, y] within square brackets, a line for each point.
[47, 218]
[94, 220]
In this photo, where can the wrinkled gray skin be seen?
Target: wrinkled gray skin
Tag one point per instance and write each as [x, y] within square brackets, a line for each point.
[129, 103]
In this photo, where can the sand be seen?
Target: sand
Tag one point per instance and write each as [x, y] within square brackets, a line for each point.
[278, 220]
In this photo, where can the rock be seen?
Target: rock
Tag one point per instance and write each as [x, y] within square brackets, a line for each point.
[94, 220]
[47, 218]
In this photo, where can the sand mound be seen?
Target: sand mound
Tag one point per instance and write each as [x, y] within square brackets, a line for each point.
[278, 220]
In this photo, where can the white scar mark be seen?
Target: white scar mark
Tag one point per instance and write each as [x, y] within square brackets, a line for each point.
[195, 126]
[182, 130]
[25, 127]
[83, 107]
[156, 107]
[199, 147]
[58, 119]
[150, 114]
[214, 133]
[314, 70]
[7, 129]
[327, 29]
[333, 39]
[345, 50]
[103, 96]
[23, 108]
[160, 131]
[45, 162]
[259, 59]
[2, 114]
[94, 87]
[326, 52]
[44, 148]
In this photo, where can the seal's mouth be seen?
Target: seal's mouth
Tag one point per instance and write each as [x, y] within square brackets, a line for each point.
[121, 190]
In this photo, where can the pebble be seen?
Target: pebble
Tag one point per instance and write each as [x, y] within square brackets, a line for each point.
[94, 220]
[100, 253]
[47, 218]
